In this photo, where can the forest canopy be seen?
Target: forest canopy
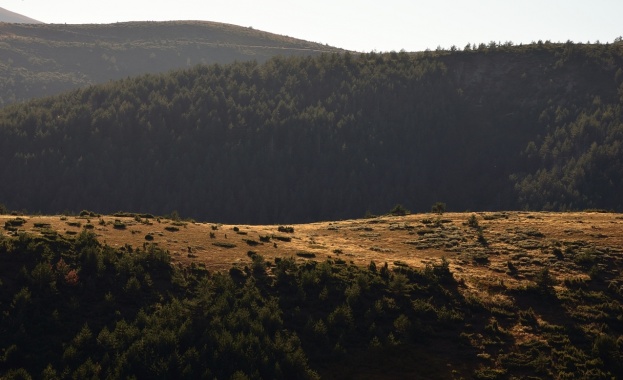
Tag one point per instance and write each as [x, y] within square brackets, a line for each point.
[328, 137]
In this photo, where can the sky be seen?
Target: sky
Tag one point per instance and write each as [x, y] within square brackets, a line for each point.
[363, 25]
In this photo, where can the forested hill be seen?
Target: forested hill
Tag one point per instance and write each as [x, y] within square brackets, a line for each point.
[330, 137]
[46, 59]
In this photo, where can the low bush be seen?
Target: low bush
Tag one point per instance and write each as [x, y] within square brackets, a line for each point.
[119, 225]
[223, 244]
[285, 229]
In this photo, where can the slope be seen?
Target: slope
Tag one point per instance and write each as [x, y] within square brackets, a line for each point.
[12, 17]
[330, 137]
[440, 296]
[45, 59]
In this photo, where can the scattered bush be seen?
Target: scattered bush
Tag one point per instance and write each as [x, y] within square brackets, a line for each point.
[399, 210]
[473, 221]
[171, 228]
[480, 258]
[438, 208]
[119, 225]
[251, 242]
[13, 223]
[223, 244]
[282, 238]
[285, 229]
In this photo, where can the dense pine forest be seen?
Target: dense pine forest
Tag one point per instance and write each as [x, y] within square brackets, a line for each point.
[328, 137]
[74, 308]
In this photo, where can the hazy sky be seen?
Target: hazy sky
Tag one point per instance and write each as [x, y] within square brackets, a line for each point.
[363, 25]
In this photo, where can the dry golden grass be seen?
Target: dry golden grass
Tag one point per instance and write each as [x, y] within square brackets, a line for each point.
[529, 241]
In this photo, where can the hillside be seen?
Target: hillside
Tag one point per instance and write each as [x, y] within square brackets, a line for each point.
[330, 137]
[12, 17]
[46, 59]
[488, 295]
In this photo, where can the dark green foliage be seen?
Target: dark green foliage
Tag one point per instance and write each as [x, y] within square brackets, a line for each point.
[509, 127]
[119, 225]
[85, 310]
[473, 222]
[12, 224]
[438, 208]
[223, 244]
[282, 238]
[399, 210]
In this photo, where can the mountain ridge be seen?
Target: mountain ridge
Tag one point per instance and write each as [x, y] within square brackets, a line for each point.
[46, 59]
[12, 17]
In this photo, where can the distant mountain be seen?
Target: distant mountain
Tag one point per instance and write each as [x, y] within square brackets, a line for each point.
[12, 17]
[46, 59]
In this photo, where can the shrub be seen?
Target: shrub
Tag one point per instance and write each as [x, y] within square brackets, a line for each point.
[251, 242]
[481, 239]
[439, 208]
[119, 225]
[224, 244]
[284, 229]
[282, 238]
[399, 210]
[480, 258]
[149, 237]
[17, 222]
[171, 228]
[307, 255]
[473, 221]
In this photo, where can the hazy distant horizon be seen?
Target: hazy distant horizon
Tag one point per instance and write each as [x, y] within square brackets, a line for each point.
[368, 26]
